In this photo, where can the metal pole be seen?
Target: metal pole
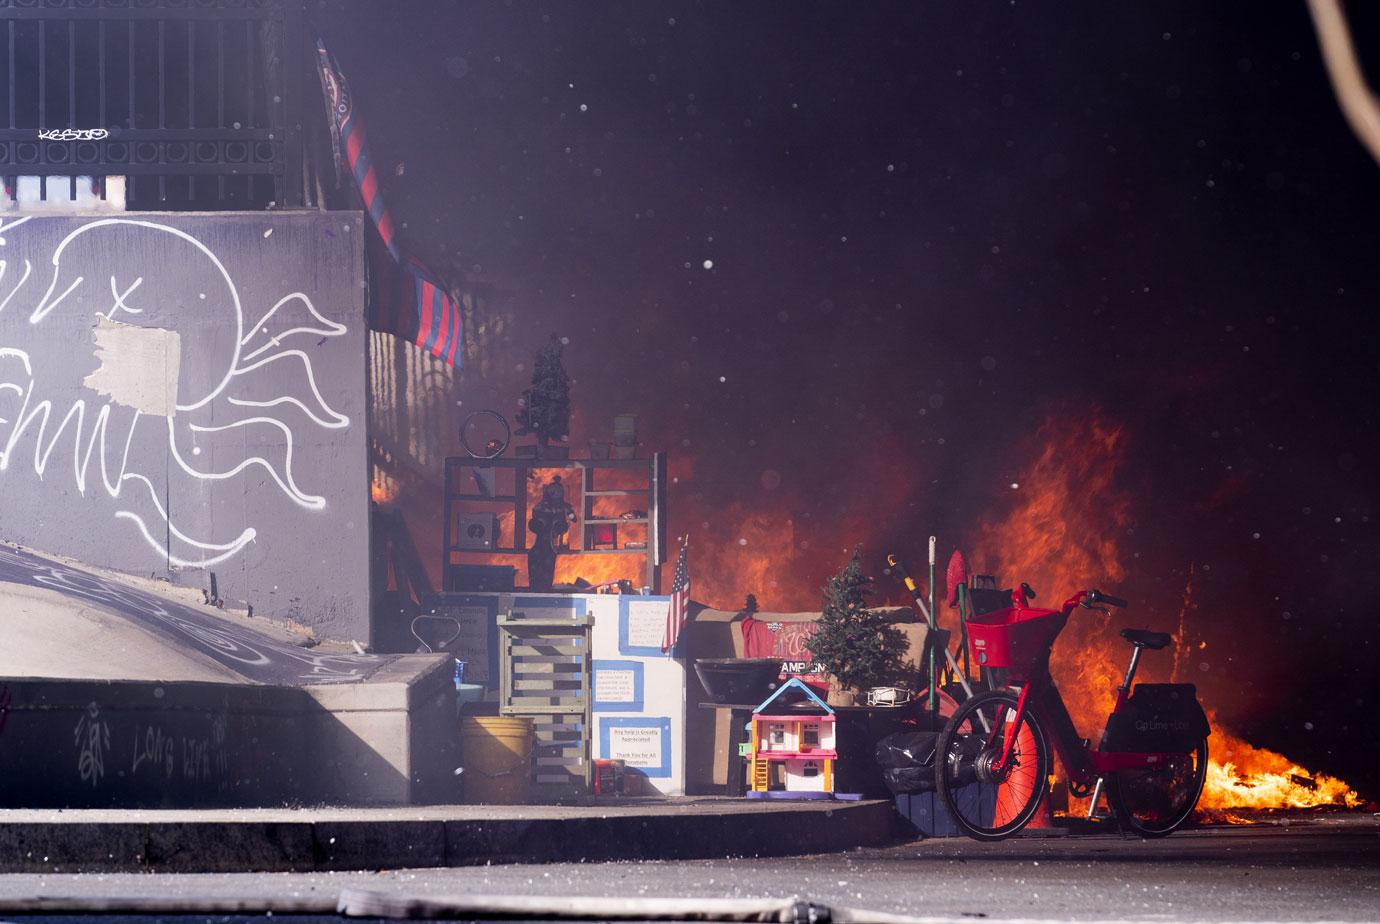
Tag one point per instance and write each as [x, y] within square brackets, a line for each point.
[963, 626]
[934, 626]
[900, 571]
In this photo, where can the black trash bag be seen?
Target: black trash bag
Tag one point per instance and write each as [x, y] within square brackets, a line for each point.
[907, 761]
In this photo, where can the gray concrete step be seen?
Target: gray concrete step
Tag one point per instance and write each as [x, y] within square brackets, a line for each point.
[268, 840]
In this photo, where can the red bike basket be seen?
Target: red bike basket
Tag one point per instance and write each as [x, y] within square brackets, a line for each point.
[1013, 638]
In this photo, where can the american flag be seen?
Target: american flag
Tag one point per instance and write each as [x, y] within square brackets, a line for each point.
[412, 303]
[680, 603]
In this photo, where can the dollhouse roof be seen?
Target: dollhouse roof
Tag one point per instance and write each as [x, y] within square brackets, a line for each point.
[794, 683]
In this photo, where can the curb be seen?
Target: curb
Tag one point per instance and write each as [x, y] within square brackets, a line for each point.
[310, 846]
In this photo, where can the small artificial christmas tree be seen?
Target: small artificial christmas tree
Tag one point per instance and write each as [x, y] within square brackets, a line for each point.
[859, 647]
[546, 405]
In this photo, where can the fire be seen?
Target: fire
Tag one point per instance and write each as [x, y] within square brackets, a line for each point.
[596, 569]
[742, 553]
[1243, 776]
[383, 489]
[599, 569]
[1060, 535]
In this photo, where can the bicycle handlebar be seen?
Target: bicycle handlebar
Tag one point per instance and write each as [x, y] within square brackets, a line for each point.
[1097, 596]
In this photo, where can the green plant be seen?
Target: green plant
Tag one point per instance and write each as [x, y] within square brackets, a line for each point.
[546, 405]
[858, 646]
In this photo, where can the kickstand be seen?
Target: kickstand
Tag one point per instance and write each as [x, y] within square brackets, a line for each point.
[1096, 794]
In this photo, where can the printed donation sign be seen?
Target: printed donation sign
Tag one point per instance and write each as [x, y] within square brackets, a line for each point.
[639, 745]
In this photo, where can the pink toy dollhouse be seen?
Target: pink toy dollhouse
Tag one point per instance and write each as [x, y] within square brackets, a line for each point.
[792, 745]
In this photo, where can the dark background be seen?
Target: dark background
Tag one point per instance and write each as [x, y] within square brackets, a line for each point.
[937, 232]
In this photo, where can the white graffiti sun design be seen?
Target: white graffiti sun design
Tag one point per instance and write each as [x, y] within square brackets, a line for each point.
[228, 391]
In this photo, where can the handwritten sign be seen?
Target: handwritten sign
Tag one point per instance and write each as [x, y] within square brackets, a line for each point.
[469, 637]
[646, 628]
[472, 644]
[614, 686]
[618, 686]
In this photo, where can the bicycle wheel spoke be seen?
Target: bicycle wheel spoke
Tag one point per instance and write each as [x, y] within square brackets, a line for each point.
[1155, 802]
[989, 792]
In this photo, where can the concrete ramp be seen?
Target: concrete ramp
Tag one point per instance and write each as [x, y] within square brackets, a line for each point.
[50, 634]
[117, 695]
[127, 614]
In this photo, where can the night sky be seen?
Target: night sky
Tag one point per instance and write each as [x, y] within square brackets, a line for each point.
[850, 263]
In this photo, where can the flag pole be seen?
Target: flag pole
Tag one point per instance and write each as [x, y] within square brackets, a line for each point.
[934, 636]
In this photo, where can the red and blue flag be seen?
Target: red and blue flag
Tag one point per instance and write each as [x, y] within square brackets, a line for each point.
[412, 303]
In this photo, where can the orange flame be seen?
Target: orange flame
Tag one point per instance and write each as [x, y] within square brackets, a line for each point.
[1243, 776]
[383, 489]
[745, 552]
[596, 569]
[779, 541]
[1060, 534]
[1060, 529]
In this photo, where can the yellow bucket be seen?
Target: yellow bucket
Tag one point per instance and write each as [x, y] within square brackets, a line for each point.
[496, 752]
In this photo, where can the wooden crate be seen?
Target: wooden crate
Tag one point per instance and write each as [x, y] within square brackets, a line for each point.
[545, 674]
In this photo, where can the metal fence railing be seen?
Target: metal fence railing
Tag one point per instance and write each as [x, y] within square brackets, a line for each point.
[196, 103]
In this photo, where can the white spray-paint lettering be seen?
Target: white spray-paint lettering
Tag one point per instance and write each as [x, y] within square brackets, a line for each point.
[73, 134]
[92, 737]
[154, 748]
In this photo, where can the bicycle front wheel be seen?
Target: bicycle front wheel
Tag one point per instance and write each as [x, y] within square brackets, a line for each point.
[1155, 801]
[987, 803]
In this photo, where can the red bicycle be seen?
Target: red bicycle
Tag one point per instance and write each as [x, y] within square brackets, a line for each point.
[994, 752]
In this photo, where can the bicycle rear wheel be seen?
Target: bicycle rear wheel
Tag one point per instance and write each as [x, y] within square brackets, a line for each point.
[984, 803]
[1156, 801]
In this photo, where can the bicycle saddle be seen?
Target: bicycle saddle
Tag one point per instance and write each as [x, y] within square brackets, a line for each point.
[1143, 639]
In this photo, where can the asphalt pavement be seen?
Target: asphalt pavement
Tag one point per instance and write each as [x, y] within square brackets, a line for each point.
[1298, 869]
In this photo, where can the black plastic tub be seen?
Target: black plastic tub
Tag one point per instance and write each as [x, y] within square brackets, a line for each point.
[742, 681]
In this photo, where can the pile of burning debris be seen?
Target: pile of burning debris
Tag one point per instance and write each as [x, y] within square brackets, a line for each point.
[1051, 534]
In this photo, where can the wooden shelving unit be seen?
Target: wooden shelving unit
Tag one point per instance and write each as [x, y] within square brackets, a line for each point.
[510, 478]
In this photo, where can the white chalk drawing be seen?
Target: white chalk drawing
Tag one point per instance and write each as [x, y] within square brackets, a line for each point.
[73, 134]
[197, 758]
[218, 730]
[154, 748]
[92, 737]
[245, 651]
[225, 396]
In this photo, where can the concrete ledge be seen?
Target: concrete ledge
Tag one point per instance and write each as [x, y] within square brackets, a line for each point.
[371, 839]
[187, 744]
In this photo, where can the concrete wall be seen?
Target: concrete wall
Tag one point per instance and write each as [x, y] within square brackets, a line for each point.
[184, 393]
[89, 743]
[73, 743]
[394, 739]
